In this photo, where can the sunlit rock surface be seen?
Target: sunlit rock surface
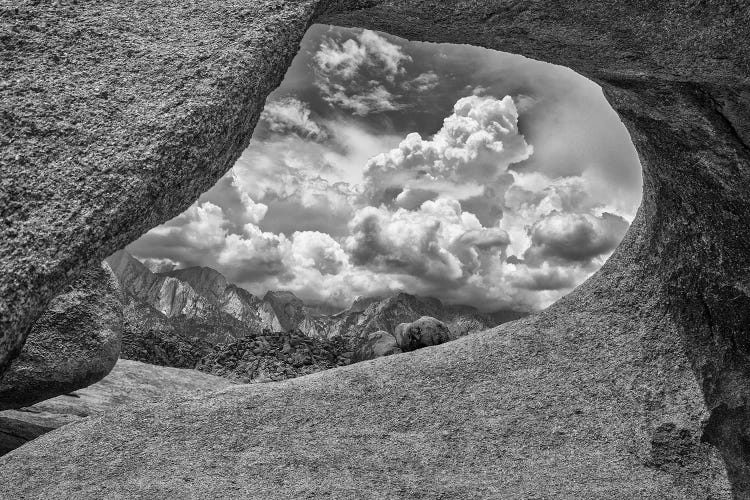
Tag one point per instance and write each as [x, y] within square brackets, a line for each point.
[634, 386]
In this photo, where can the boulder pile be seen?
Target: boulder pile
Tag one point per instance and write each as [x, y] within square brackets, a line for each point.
[272, 356]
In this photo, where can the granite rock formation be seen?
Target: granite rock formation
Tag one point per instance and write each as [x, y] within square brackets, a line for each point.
[376, 345]
[633, 386]
[75, 343]
[128, 382]
[424, 332]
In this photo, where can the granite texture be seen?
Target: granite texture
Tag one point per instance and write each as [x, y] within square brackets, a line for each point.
[633, 386]
[128, 382]
[114, 117]
[75, 343]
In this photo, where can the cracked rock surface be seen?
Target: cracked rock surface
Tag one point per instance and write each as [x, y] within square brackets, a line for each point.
[636, 385]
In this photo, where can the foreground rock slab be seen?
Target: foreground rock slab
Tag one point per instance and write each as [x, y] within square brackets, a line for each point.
[129, 382]
[75, 343]
[530, 410]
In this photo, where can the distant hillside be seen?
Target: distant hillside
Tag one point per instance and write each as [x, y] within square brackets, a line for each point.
[179, 317]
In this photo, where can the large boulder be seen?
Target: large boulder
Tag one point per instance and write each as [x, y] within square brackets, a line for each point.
[424, 332]
[376, 345]
[75, 343]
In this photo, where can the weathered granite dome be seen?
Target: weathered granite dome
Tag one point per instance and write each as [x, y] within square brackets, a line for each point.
[636, 385]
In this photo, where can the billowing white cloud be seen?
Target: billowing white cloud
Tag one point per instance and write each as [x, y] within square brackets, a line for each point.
[368, 49]
[472, 150]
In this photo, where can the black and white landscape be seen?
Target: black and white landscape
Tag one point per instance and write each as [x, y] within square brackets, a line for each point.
[374, 249]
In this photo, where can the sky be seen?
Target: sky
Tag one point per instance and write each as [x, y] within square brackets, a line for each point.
[382, 165]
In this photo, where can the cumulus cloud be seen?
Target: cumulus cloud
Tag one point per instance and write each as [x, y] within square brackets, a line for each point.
[351, 74]
[314, 250]
[468, 213]
[438, 242]
[574, 237]
[292, 116]
[346, 58]
[473, 149]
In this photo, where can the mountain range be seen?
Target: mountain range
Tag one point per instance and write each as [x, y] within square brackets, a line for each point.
[173, 318]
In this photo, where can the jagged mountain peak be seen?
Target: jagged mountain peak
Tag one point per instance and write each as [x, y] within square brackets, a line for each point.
[207, 282]
[362, 302]
[200, 302]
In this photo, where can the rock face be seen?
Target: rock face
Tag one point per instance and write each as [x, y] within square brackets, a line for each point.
[424, 332]
[86, 172]
[75, 343]
[128, 382]
[633, 386]
[376, 345]
[199, 303]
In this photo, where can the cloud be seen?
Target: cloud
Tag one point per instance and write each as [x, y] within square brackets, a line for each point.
[345, 59]
[468, 213]
[349, 74]
[373, 99]
[315, 250]
[473, 149]
[292, 116]
[574, 237]
[438, 242]
[486, 239]
[423, 82]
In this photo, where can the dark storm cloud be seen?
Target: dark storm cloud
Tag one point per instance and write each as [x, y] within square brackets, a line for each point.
[574, 238]
[486, 239]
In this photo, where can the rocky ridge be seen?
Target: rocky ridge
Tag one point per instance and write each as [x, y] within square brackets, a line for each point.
[173, 318]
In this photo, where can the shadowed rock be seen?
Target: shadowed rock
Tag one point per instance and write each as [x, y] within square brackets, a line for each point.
[75, 343]
[424, 332]
[376, 345]
[633, 386]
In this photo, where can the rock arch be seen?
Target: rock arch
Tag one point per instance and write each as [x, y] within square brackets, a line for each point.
[616, 390]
